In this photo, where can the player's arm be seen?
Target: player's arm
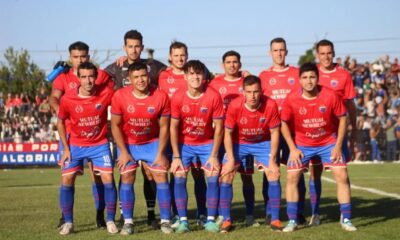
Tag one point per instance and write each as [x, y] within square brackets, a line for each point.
[174, 131]
[124, 156]
[273, 166]
[295, 154]
[218, 135]
[66, 155]
[161, 160]
[54, 99]
[337, 150]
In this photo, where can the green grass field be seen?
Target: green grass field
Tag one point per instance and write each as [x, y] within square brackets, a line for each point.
[29, 208]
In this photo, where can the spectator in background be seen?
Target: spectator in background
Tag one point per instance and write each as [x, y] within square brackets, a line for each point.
[391, 140]
[373, 133]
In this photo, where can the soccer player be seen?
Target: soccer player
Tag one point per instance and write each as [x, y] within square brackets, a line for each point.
[66, 83]
[171, 80]
[140, 124]
[87, 112]
[338, 79]
[316, 117]
[251, 129]
[230, 85]
[278, 81]
[196, 132]
[133, 46]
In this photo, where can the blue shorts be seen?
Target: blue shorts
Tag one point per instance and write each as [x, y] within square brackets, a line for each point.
[142, 152]
[193, 155]
[324, 153]
[345, 152]
[244, 153]
[99, 155]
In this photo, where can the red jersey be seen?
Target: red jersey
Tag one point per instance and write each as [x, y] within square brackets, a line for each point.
[314, 122]
[339, 80]
[87, 116]
[69, 82]
[252, 126]
[171, 83]
[140, 116]
[277, 84]
[196, 115]
[228, 89]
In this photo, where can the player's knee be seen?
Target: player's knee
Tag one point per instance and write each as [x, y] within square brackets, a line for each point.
[159, 177]
[292, 178]
[107, 177]
[273, 176]
[227, 178]
[128, 177]
[69, 179]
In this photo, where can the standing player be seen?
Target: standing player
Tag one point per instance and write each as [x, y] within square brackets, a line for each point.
[251, 128]
[230, 85]
[66, 83]
[140, 124]
[133, 46]
[339, 80]
[87, 112]
[278, 81]
[193, 136]
[316, 117]
[172, 80]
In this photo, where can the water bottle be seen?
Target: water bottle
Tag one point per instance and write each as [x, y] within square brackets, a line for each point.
[55, 73]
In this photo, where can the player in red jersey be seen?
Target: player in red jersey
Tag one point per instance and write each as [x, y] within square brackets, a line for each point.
[316, 117]
[251, 129]
[140, 124]
[66, 83]
[172, 80]
[196, 133]
[278, 81]
[87, 112]
[230, 85]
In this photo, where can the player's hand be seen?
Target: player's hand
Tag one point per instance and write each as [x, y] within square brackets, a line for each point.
[176, 165]
[214, 164]
[123, 159]
[66, 156]
[162, 161]
[274, 169]
[336, 154]
[120, 61]
[229, 167]
[295, 158]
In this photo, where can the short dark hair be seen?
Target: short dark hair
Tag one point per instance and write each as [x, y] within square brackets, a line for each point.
[81, 46]
[196, 65]
[277, 40]
[230, 53]
[88, 66]
[176, 44]
[309, 67]
[250, 80]
[136, 66]
[133, 34]
[325, 42]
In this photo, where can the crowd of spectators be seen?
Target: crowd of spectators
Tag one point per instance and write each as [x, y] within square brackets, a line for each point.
[30, 119]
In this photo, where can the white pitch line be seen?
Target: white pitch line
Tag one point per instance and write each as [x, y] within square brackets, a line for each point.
[371, 190]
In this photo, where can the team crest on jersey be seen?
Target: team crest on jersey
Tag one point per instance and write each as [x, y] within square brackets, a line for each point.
[334, 83]
[262, 119]
[72, 85]
[222, 90]
[243, 120]
[272, 81]
[151, 109]
[303, 111]
[240, 89]
[98, 106]
[79, 109]
[322, 108]
[170, 80]
[203, 109]
[130, 109]
[185, 108]
[291, 81]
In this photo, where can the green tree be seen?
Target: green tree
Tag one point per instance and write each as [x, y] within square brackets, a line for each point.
[308, 56]
[19, 74]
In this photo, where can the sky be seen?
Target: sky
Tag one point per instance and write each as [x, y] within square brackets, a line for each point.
[363, 29]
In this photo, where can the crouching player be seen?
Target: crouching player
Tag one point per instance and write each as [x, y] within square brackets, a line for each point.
[87, 113]
[140, 123]
[316, 116]
[251, 129]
